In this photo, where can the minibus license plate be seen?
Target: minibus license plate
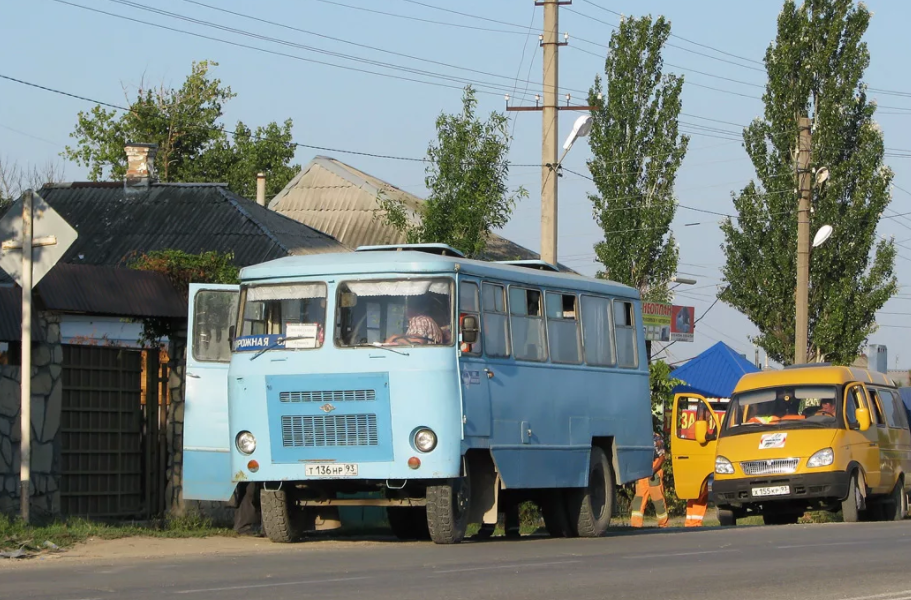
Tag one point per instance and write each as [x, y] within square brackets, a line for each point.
[778, 490]
[332, 470]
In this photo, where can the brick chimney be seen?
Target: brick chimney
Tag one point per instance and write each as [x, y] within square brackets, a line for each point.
[140, 165]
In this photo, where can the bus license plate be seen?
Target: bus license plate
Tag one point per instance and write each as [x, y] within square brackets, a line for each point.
[333, 470]
[778, 490]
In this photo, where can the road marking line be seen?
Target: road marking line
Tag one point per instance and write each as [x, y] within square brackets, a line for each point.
[268, 585]
[510, 566]
[827, 544]
[636, 556]
[902, 595]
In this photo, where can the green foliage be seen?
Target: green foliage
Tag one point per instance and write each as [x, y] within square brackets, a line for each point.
[637, 150]
[815, 67]
[193, 145]
[466, 174]
[182, 269]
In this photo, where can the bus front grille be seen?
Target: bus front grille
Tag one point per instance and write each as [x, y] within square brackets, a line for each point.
[329, 396]
[305, 431]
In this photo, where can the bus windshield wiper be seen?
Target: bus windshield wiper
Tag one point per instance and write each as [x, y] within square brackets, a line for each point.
[278, 341]
[383, 347]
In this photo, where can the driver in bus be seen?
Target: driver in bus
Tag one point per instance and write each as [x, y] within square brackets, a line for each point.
[826, 407]
[422, 329]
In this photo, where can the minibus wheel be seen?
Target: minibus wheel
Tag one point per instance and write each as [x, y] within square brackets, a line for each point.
[850, 507]
[283, 520]
[895, 509]
[447, 509]
[726, 517]
[590, 508]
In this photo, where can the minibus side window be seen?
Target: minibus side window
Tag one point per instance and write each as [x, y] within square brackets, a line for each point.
[878, 406]
[625, 330]
[563, 328]
[898, 410]
[469, 304]
[529, 340]
[853, 401]
[597, 334]
[495, 327]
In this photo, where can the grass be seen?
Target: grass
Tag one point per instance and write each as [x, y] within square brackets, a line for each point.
[15, 534]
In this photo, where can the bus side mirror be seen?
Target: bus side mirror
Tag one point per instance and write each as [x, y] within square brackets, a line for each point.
[701, 429]
[470, 329]
[862, 415]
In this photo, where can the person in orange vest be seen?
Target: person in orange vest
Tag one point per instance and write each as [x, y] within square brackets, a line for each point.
[695, 509]
[651, 487]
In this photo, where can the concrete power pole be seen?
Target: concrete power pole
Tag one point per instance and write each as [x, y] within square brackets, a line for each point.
[802, 324]
[550, 163]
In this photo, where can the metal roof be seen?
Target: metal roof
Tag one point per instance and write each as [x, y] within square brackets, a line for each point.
[413, 261]
[11, 316]
[339, 200]
[714, 373]
[110, 291]
[114, 225]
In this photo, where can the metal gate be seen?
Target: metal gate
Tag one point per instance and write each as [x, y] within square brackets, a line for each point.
[103, 465]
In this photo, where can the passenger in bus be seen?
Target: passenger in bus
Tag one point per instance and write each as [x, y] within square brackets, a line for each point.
[422, 328]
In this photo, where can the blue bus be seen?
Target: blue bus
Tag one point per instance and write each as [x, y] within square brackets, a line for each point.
[446, 387]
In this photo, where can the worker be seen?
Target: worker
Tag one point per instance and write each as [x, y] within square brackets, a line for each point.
[695, 508]
[651, 487]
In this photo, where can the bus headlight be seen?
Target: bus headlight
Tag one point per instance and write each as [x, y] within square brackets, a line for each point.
[823, 458]
[425, 439]
[723, 466]
[245, 442]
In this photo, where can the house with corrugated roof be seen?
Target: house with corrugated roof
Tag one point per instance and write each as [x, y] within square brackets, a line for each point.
[342, 201]
[107, 415]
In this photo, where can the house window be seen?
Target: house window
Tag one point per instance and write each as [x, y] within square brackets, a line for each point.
[563, 328]
[495, 326]
[625, 330]
[597, 333]
[529, 340]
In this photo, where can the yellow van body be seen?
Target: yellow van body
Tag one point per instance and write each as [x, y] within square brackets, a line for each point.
[806, 438]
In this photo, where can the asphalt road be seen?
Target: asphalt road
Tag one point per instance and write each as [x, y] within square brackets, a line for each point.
[834, 562]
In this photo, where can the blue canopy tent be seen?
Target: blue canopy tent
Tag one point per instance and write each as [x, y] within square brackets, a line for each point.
[714, 373]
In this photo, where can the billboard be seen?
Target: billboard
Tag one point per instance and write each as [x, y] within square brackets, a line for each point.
[667, 322]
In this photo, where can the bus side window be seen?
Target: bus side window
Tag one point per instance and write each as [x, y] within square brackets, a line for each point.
[898, 410]
[469, 304]
[875, 403]
[495, 326]
[529, 340]
[563, 328]
[597, 334]
[625, 328]
[853, 401]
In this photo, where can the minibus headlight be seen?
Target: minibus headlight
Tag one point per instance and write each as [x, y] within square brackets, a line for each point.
[723, 466]
[425, 439]
[245, 442]
[823, 458]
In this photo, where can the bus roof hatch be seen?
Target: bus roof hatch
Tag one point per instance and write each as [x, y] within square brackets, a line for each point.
[438, 249]
[540, 265]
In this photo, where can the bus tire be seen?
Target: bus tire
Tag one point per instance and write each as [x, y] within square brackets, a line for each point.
[850, 506]
[556, 519]
[408, 524]
[447, 510]
[894, 508]
[282, 519]
[590, 508]
[726, 517]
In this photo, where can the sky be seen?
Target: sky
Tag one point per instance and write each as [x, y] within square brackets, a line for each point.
[362, 77]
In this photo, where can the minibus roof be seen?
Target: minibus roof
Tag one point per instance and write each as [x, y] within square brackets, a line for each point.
[811, 375]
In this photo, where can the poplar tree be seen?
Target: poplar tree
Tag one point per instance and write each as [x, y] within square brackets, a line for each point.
[815, 68]
[637, 151]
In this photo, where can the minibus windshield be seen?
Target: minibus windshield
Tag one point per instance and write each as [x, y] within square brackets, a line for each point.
[290, 316]
[403, 312]
[785, 407]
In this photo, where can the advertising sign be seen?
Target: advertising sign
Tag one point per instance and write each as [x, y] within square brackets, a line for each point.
[683, 323]
[668, 323]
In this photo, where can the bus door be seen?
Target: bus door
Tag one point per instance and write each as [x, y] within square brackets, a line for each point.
[206, 436]
[693, 461]
[473, 369]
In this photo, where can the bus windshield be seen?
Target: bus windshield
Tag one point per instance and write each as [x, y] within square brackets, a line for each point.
[785, 407]
[294, 312]
[403, 312]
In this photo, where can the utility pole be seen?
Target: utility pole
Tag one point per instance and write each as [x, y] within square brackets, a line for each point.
[802, 324]
[550, 165]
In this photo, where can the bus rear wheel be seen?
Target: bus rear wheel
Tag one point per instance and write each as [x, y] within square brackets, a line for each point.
[408, 523]
[283, 520]
[590, 508]
[447, 509]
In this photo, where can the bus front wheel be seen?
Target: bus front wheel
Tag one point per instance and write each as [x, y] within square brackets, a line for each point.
[447, 509]
[590, 508]
[283, 520]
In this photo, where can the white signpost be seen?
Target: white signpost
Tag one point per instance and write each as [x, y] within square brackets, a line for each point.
[33, 237]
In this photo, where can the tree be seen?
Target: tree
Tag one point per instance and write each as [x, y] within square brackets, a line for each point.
[466, 175]
[15, 179]
[815, 67]
[637, 150]
[193, 145]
